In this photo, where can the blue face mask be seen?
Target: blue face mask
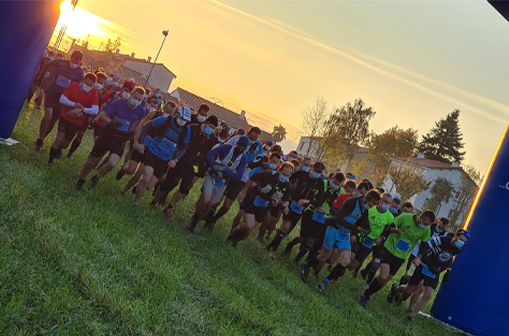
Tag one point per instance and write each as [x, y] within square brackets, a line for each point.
[306, 169]
[365, 206]
[459, 243]
[283, 179]
[272, 166]
[422, 226]
[333, 186]
[157, 95]
[392, 210]
[315, 175]
[133, 102]
[208, 130]
[384, 207]
[437, 230]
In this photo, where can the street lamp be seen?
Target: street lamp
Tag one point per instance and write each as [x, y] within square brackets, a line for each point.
[165, 33]
[410, 141]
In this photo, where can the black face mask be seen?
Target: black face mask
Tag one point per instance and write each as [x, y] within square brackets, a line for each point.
[237, 151]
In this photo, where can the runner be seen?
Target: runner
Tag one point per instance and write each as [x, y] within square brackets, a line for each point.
[227, 163]
[80, 101]
[351, 216]
[98, 86]
[305, 164]
[120, 117]
[362, 246]
[168, 146]
[184, 172]
[438, 229]
[406, 232]
[313, 221]
[435, 256]
[62, 73]
[253, 153]
[308, 189]
[349, 188]
[37, 83]
[269, 187]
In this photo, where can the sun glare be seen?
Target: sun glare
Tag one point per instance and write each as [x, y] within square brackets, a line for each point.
[81, 23]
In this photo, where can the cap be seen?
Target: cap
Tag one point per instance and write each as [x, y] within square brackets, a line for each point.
[212, 120]
[128, 84]
[241, 131]
[132, 79]
[270, 143]
[319, 166]
[185, 113]
[243, 142]
[396, 195]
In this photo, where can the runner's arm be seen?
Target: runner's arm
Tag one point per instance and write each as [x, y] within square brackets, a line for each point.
[239, 172]
[91, 110]
[346, 209]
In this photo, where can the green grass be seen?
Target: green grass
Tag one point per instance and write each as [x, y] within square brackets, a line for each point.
[75, 263]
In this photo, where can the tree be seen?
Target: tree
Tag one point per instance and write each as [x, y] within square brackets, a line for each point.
[360, 167]
[408, 179]
[444, 141]
[467, 189]
[394, 142]
[441, 192]
[279, 133]
[111, 46]
[313, 121]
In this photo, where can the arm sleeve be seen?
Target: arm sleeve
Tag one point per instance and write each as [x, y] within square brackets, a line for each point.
[209, 157]
[182, 151]
[144, 132]
[92, 110]
[65, 101]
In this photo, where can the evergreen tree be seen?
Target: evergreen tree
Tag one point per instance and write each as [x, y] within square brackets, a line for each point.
[444, 141]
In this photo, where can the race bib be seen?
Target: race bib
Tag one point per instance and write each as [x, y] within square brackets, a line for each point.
[296, 208]
[368, 242]
[74, 115]
[426, 271]
[124, 124]
[218, 182]
[260, 202]
[62, 81]
[343, 236]
[167, 145]
[319, 217]
[403, 246]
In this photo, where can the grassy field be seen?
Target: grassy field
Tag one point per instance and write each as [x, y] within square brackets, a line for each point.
[79, 263]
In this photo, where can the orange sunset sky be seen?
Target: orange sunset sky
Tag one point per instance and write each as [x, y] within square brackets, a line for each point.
[413, 61]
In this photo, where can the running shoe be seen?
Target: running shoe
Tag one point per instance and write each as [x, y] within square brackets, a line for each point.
[79, 184]
[392, 293]
[287, 237]
[167, 213]
[133, 189]
[191, 225]
[231, 242]
[363, 300]
[93, 182]
[59, 154]
[322, 287]
[38, 144]
[304, 272]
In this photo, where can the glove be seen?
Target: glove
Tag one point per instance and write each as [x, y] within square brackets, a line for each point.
[446, 276]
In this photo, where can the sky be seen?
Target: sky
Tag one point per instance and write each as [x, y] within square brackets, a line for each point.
[412, 61]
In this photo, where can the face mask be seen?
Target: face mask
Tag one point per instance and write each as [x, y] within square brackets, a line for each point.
[133, 102]
[384, 207]
[73, 65]
[437, 230]
[221, 140]
[272, 167]
[124, 95]
[306, 169]
[392, 210]
[356, 194]
[85, 88]
[201, 118]
[237, 151]
[50, 58]
[157, 95]
[117, 84]
[267, 148]
[283, 179]
[315, 175]
[208, 130]
[181, 122]
[422, 226]
[151, 109]
[333, 186]
[365, 206]
[98, 86]
[459, 243]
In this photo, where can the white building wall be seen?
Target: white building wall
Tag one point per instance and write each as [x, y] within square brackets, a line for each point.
[302, 147]
[160, 77]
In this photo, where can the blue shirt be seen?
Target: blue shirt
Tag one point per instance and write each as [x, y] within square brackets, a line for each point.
[121, 112]
[63, 75]
[167, 146]
[221, 152]
[254, 150]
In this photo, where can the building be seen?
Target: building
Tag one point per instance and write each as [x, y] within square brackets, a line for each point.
[431, 170]
[128, 66]
[233, 119]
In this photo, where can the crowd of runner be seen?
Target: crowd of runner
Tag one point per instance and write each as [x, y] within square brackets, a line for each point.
[166, 146]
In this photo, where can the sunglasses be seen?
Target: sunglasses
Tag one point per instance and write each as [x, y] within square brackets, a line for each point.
[155, 101]
[397, 201]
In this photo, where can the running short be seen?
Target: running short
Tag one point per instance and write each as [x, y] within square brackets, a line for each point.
[250, 208]
[210, 188]
[394, 263]
[137, 156]
[361, 250]
[85, 125]
[336, 238]
[66, 127]
[52, 101]
[108, 144]
[234, 189]
[187, 176]
[276, 211]
[310, 228]
[97, 130]
[160, 166]
[419, 276]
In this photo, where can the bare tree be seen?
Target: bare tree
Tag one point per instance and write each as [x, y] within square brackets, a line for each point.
[314, 122]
